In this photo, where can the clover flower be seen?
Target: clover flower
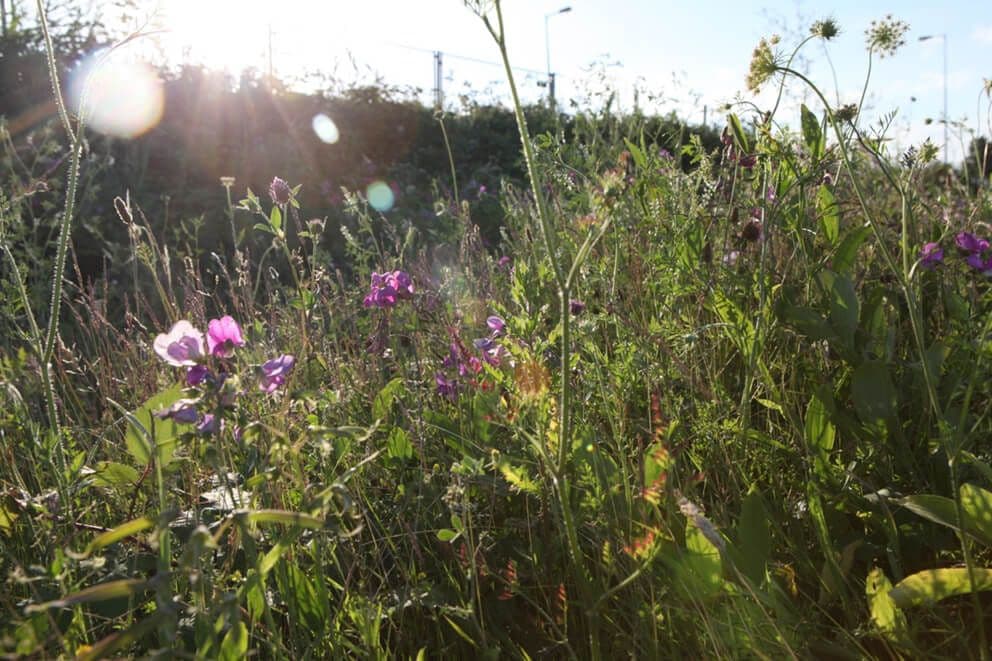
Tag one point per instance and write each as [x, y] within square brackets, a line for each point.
[182, 346]
[272, 373]
[279, 191]
[222, 336]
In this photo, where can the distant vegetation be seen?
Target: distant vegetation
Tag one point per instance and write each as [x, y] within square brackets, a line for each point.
[495, 383]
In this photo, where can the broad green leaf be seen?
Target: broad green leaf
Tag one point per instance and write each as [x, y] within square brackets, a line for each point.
[844, 306]
[235, 644]
[942, 510]
[146, 431]
[884, 614]
[113, 474]
[847, 252]
[826, 206]
[122, 640]
[275, 219]
[932, 585]
[383, 402]
[872, 391]
[446, 534]
[820, 432]
[703, 567]
[976, 506]
[398, 445]
[754, 542]
[807, 321]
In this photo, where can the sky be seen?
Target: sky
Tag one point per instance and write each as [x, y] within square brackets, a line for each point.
[692, 58]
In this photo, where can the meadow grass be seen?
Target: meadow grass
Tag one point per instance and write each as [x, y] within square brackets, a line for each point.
[728, 404]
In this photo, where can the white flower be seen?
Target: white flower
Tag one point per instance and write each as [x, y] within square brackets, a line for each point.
[182, 346]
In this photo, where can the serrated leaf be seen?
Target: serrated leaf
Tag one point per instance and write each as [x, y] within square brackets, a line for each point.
[933, 585]
[518, 477]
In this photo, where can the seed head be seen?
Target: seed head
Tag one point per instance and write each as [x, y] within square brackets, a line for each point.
[886, 35]
[825, 28]
[763, 63]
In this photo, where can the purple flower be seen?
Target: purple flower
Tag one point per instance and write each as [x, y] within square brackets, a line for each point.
[386, 288]
[273, 372]
[576, 307]
[182, 346]
[484, 343]
[208, 425]
[931, 255]
[223, 335]
[445, 387]
[196, 374]
[401, 282]
[505, 262]
[279, 191]
[969, 243]
[496, 325]
[183, 411]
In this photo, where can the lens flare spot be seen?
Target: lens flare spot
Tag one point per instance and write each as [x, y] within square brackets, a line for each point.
[325, 128]
[380, 196]
[116, 96]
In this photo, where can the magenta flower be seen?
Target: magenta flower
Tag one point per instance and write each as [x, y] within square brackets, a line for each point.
[387, 288]
[969, 243]
[505, 262]
[931, 255]
[272, 373]
[496, 325]
[984, 265]
[576, 307]
[182, 346]
[401, 282]
[445, 387]
[223, 335]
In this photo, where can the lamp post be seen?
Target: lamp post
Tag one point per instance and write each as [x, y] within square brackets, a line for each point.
[943, 38]
[547, 54]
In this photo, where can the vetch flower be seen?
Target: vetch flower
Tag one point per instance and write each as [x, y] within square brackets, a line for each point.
[931, 255]
[576, 307]
[196, 374]
[969, 243]
[273, 372]
[208, 425]
[183, 410]
[496, 324]
[445, 387]
[402, 283]
[223, 335]
[182, 346]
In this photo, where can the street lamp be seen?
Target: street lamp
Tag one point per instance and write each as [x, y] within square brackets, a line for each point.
[943, 38]
[547, 53]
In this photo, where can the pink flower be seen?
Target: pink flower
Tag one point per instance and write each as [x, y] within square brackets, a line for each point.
[182, 346]
[223, 335]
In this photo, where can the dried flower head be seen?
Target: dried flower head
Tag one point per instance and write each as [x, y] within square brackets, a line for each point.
[763, 63]
[846, 113]
[825, 28]
[886, 35]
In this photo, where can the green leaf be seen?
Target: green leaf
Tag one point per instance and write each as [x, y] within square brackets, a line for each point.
[234, 647]
[812, 134]
[518, 477]
[754, 542]
[807, 321]
[847, 252]
[120, 532]
[942, 510]
[844, 305]
[976, 506]
[826, 206]
[262, 227]
[738, 131]
[820, 432]
[398, 445]
[121, 640]
[383, 402]
[872, 391]
[446, 534]
[146, 431]
[275, 219]
[113, 474]
[102, 592]
[889, 620]
[933, 585]
[300, 593]
[283, 517]
[702, 565]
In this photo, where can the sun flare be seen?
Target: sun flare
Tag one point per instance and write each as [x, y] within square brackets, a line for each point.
[230, 35]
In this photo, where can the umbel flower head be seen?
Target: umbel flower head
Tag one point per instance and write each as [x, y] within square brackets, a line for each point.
[763, 63]
[886, 36]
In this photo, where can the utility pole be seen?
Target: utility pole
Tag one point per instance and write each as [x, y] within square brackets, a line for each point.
[438, 81]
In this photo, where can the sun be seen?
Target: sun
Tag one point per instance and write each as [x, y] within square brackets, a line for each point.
[226, 35]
